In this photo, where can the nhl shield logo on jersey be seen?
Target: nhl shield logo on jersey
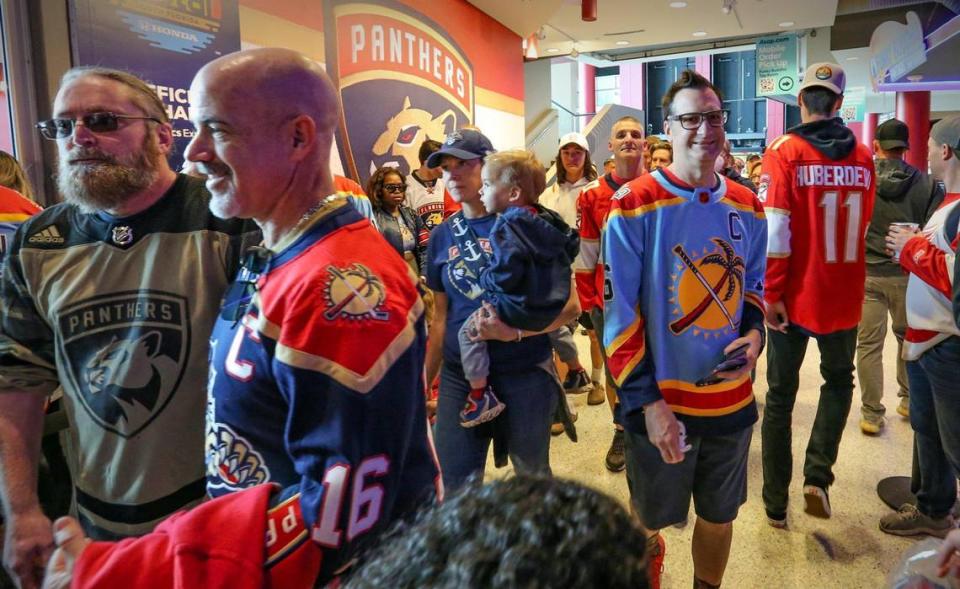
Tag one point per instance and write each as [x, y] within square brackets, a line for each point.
[707, 287]
[122, 235]
[125, 356]
[354, 293]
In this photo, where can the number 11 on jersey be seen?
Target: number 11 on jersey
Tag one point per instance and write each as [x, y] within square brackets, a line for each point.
[831, 203]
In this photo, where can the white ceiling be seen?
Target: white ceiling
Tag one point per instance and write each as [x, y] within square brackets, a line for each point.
[655, 23]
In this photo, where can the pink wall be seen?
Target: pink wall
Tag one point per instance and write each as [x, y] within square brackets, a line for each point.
[704, 65]
[632, 85]
[776, 117]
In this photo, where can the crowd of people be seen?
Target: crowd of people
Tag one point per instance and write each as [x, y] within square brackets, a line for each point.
[260, 393]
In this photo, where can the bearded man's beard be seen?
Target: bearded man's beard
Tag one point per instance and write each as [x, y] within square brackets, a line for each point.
[110, 181]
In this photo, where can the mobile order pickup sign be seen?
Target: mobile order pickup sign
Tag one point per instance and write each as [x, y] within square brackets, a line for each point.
[777, 71]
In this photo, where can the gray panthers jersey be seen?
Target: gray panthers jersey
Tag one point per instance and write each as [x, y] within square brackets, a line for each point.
[118, 312]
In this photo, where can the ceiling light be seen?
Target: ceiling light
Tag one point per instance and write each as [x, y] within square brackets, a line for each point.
[623, 42]
[854, 58]
[700, 34]
[553, 50]
[786, 23]
[915, 78]
[678, 5]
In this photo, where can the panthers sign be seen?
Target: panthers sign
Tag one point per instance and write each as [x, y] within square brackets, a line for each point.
[401, 80]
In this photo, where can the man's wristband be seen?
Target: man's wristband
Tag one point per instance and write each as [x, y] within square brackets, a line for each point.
[519, 334]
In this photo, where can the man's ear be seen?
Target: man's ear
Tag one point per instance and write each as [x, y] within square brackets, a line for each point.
[302, 135]
[165, 137]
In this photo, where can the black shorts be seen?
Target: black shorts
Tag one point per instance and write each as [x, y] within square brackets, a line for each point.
[713, 473]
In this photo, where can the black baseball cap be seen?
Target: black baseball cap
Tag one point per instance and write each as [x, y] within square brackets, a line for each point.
[466, 144]
[893, 134]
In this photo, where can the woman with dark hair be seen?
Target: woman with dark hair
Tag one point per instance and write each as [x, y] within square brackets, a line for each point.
[399, 225]
[575, 171]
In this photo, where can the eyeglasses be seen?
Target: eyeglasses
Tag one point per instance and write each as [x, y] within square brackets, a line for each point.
[98, 122]
[691, 121]
[395, 187]
[254, 263]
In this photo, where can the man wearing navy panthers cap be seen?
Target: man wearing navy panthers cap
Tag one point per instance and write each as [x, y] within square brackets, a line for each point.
[466, 144]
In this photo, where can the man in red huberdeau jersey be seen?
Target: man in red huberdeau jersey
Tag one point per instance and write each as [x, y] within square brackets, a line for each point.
[818, 186]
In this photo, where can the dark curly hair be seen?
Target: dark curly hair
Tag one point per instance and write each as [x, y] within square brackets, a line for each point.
[529, 532]
[376, 182]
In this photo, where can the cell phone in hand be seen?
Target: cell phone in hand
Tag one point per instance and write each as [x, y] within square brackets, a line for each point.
[734, 360]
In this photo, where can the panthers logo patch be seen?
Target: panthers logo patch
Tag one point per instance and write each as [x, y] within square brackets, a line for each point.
[125, 355]
[354, 293]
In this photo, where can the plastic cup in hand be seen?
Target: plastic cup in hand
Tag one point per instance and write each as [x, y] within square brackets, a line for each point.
[898, 228]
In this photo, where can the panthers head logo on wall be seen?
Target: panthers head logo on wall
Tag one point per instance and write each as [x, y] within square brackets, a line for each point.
[401, 81]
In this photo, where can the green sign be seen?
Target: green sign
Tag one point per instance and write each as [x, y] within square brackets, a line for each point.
[777, 71]
[854, 104]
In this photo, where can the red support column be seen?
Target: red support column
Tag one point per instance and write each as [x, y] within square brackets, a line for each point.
[913, 108]
[869, 131]
[776, 117]
[588, 91]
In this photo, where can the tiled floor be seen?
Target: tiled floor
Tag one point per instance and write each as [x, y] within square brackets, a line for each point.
[847, 551]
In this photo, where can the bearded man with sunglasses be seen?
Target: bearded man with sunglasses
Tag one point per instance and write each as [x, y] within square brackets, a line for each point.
[110, 296]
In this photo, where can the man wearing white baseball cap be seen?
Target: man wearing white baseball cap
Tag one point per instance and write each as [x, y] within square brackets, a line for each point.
[818, 187]
[575, 171]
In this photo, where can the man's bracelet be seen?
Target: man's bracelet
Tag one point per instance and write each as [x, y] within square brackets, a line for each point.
[519, 334]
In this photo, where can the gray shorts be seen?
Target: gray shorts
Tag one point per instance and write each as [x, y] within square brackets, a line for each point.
[713, 473]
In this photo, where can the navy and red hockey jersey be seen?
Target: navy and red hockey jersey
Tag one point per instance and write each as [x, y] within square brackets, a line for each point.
[818, 188]
[319, 383]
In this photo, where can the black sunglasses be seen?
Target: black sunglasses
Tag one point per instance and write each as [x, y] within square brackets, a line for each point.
[395, 187]
[255, 261]
[98, 122]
